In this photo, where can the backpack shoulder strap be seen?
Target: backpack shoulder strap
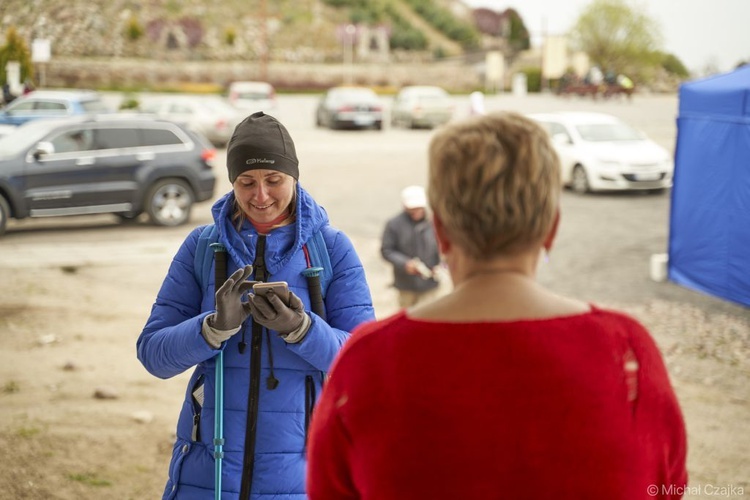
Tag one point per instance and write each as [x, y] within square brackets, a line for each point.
[204, 255]
[319, 257]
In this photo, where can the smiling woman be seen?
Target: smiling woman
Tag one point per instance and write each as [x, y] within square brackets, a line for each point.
[266, 229]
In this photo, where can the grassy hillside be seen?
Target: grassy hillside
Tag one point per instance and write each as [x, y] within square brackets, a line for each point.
[297, 30]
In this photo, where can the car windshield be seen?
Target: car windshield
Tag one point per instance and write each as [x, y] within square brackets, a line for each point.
[24, 136]
[608, 132]
[355, 95]
[216, 105]
[253, 96]
[432, 99]
[94, 106]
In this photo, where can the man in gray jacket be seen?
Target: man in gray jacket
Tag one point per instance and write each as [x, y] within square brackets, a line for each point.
[409, 244]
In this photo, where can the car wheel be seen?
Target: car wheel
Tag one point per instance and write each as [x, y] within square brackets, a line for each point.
[580, 181]
[378, 125]
[169, 202]
[4, 215]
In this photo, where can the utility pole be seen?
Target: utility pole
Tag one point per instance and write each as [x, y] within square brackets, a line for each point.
[263, 11]
[349, 31]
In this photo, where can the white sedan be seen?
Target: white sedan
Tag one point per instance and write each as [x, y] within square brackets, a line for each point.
[599, 152]
[211, 116]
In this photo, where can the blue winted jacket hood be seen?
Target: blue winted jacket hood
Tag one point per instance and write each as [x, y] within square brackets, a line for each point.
[310, 218]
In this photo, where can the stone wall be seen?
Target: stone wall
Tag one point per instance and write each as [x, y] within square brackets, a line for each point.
[116, 73]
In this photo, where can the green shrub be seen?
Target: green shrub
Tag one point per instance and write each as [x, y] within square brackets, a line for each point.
[533, 78]
[15, 49]
[230, 35]
[133, 29]
[129, 101]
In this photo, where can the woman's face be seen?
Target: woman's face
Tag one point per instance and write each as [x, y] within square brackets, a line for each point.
[263, 194]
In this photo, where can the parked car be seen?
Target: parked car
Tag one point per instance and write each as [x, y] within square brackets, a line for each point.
[418, 106]
[120, 164]
[600, 152]
[52, 104]
[349, 107]
[252, 96]
[6, 129]
[211, 116]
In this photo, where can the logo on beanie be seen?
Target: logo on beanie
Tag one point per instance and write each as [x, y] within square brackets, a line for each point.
[253, 161]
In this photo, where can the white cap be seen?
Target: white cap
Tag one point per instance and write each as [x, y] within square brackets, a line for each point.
[414, 197]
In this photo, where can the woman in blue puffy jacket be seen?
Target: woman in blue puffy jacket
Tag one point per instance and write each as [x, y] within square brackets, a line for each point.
[276, 350]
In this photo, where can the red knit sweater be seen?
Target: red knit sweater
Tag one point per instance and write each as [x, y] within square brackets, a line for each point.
[577, 407]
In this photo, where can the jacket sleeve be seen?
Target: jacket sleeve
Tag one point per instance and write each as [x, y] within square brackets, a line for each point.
[389, 247]
[171, 342]
[348, 303]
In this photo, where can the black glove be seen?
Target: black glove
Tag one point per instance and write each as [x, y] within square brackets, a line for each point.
[271, 312]
[231, 311]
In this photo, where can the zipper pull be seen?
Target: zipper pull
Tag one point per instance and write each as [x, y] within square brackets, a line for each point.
[195, 435]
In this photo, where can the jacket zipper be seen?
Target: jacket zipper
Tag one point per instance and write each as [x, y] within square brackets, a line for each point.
[251, 427]
[252, 414]
[309, 402]
[197, 400]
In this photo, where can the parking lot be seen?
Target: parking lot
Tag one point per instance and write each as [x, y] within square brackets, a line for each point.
[90, 282]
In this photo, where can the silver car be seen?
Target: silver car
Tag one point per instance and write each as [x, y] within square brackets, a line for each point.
[425, 106]
[253, 96]
[349, 107]
[211, 116]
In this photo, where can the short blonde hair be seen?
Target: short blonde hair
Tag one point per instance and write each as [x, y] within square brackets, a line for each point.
[494, 182]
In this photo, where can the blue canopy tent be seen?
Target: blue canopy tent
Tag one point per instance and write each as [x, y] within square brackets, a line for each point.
[709, 240]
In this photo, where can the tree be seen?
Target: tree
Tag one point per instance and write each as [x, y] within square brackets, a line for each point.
[617, 36]
[673, 65]
[518, 36]
[15, 49]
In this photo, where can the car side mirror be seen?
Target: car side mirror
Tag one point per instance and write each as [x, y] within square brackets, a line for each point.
[43, 148]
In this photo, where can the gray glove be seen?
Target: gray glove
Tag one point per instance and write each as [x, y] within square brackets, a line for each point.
[272, 313]
[231, 311]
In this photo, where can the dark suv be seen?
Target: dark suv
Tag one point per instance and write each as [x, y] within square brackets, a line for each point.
[124, 164]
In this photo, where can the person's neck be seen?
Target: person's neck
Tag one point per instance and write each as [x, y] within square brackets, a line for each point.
[266, 227]
[469, 270]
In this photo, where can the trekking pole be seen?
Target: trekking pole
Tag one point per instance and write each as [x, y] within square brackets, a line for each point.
[312, 274]
[220, 276]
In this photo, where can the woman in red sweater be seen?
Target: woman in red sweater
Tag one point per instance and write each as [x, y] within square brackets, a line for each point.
[501, 389]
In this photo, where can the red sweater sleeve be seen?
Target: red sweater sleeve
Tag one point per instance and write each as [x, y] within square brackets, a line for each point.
[657, 407]
[329, 475]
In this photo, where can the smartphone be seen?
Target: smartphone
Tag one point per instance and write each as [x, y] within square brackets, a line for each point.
[280, 288]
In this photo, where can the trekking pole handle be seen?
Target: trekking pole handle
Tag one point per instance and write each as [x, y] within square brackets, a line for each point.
[220, 263]
[312, 274]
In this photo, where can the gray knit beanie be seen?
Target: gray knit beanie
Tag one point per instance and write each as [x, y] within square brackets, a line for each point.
[259, 142]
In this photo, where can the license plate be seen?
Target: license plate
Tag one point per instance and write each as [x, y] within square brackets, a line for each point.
[363, 120]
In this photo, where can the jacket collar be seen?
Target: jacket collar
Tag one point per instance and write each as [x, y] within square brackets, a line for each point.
[287, 240]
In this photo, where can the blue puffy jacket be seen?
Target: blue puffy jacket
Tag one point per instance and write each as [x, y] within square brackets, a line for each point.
[171, 342]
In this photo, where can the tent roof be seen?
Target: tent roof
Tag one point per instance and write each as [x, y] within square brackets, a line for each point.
[725, 94]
